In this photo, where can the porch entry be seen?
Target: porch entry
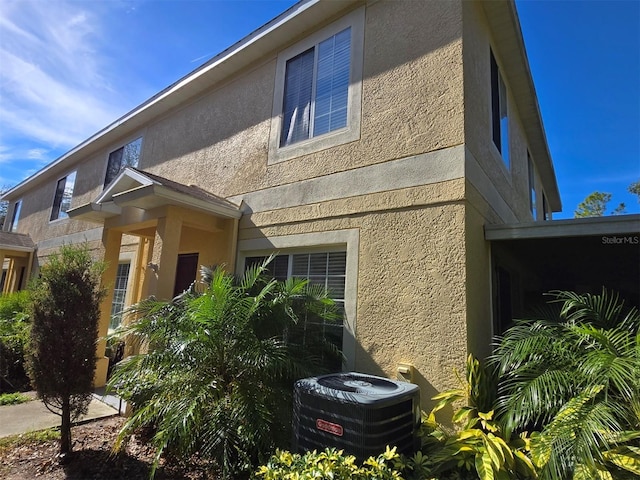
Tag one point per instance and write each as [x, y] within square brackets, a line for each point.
[186, 271]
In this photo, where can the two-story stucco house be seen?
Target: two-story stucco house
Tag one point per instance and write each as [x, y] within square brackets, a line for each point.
[368, 143]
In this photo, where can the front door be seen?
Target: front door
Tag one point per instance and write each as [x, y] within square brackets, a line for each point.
[185, 272]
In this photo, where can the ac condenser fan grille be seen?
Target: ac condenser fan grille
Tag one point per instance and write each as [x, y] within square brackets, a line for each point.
[360, 414]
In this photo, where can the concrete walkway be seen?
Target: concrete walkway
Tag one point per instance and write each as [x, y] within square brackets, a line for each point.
[32, 416]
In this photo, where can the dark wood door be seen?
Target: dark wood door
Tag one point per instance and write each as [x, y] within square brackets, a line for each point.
[185, 272]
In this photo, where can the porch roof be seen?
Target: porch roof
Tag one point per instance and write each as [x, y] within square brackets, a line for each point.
[145, 191]
[575, 227]
[16, 242]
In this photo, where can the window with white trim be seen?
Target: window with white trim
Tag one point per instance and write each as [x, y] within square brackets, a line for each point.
[499, 112]
[126, 156]
[15, 217]
[119, 295]
[317, 97]
[63, 196]
[316, 88]
[327, 269]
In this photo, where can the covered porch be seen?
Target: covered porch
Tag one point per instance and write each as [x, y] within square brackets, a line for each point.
[16, 260]
[582, 255]
[175, 229]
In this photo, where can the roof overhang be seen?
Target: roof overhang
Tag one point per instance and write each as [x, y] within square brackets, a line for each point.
[144, 191]
[255, 47]
[617, 225]
[16, 242]
[505, 27]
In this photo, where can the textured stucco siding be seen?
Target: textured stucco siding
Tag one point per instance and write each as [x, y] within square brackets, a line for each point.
[411, 305]
[512, 184]
[412, 102]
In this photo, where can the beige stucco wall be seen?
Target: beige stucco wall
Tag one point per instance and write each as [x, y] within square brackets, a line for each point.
[411, 274]
[422, 284]
[220, 140]
[512, 185]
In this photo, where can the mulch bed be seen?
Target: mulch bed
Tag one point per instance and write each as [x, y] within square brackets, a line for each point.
[92, 458]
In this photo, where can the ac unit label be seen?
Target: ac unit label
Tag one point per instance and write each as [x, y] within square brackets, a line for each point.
[332, 428]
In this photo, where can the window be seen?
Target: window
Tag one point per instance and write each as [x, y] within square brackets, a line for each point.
[532, 187]
[327, 269]
[125, 156]
[13, 227]
[62, 199]
[316, 90]
[119, 295]
[499, 112]
[317, 97]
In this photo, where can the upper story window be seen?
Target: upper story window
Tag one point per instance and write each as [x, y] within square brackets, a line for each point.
[125, 156]
[532, 187]
[13, 226]
[499, 112]
[62, 199]
[318, 90]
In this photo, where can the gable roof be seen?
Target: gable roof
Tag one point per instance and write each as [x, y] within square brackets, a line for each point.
[143, 190]
[16, 241]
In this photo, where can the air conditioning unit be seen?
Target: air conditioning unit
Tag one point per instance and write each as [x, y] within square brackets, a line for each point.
[360, 414]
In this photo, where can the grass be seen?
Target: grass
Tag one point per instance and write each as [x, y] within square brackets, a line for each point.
[40, 436]
[13, 398]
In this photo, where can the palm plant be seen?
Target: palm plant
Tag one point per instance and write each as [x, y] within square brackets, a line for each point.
[573, 375]
[220, 366]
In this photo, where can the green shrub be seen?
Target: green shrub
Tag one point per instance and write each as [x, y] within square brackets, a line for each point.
[13, 398]
[14, 335]
[477, 448]
[329, 464]
[218, 377]
[65, 310]
[572, 374]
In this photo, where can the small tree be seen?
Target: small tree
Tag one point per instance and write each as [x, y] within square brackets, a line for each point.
[65, 309]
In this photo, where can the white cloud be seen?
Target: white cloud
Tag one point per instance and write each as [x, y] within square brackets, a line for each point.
[54, 85]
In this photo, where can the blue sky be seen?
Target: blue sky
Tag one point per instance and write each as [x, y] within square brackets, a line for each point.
[69, 68]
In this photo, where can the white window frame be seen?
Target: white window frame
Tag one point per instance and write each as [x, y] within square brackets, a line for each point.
[113, 150]
[62, 214]
[131, 259]
[350, 133]
[339, 240]
[15, 216]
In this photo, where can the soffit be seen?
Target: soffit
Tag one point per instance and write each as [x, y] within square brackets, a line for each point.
[620, 225]
[507, 34]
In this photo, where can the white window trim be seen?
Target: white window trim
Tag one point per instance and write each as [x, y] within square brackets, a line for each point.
[339, 240]
[131, 259]
[15, 221]
[351, 132]
[131, 139]
[53, 200]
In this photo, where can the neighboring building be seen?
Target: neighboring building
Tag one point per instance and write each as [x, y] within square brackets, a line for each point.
[367, 142]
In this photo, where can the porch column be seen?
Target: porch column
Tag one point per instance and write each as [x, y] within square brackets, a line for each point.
[166, 247]
[111, 240]
[1, 270]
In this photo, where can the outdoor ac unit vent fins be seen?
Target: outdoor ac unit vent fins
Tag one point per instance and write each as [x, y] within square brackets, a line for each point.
[358, 413]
